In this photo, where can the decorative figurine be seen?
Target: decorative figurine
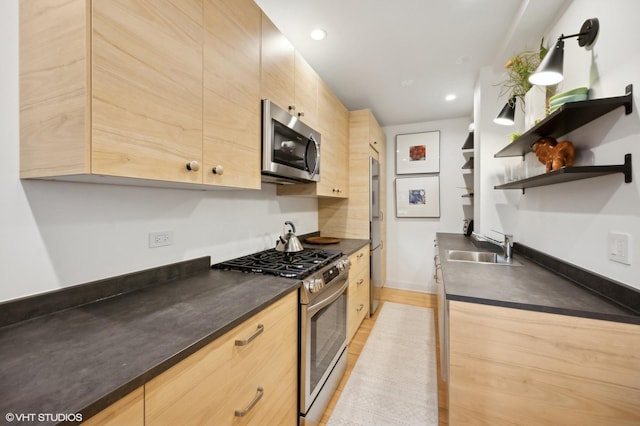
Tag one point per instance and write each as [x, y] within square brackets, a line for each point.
[554, 155]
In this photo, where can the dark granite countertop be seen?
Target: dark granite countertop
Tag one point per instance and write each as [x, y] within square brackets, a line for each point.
[82, 359]
[83, 348]
[528, 286]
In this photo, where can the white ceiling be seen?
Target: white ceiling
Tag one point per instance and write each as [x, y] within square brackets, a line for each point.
[402, 57]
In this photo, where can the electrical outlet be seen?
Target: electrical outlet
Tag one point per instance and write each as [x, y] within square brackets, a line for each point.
[160, 238]
[619, 247]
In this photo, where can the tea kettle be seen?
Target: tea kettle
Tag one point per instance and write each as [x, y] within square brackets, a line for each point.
[288, 242]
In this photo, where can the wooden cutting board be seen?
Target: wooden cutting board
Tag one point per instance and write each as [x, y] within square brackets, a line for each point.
[322, 240]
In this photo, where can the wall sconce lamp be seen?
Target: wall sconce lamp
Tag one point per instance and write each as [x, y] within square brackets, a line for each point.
[549, 72]
[506, 116]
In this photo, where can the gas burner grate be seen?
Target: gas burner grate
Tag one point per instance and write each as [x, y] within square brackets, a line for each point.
[289, 265]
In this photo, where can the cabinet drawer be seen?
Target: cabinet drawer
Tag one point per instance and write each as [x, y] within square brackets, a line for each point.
[358, 305]
[254, 362]
[359, 261]
[359, 283]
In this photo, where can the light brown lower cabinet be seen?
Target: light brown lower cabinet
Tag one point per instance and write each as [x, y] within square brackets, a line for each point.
[128, 411]
[248, 376]
[358, 304]
[518, 367]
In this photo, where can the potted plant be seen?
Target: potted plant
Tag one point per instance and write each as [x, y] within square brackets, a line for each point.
[533, 99]
[519, 68]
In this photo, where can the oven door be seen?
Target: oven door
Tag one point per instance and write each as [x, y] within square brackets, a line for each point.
[323, 341]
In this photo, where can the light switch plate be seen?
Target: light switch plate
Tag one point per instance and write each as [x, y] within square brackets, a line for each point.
[619, 247]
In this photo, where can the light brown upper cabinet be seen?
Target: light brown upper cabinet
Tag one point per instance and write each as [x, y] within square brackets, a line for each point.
[111, 88]
[287, 79]
[232, 111]
[278, 66]
[334, 129]
[306, 92]
[350, 218]
[333, 125]
[377, 139]
[118, 88]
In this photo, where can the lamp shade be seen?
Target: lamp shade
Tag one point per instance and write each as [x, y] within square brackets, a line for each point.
[549, 72]
[506, 116]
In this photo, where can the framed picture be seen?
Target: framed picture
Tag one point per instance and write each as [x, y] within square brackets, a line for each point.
[418, 196]
[418, 153]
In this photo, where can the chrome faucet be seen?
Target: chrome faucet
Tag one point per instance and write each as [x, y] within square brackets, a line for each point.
[506, 245]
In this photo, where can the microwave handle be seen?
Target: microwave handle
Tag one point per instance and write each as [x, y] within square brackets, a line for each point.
[315, 169]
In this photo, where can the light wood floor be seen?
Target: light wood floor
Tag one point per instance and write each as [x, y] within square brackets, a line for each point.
[356, 345]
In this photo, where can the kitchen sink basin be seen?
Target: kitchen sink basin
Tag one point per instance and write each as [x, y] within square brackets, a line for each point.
[485, 257]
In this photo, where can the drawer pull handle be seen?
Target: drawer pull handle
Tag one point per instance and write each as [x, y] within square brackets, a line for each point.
[360, 281]
[259, 393]
[258, 332]
[360, 307]
[360, 255]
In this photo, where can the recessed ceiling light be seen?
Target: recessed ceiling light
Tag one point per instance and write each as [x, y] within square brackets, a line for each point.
[318, 34]
[450, 97]
[406, 83]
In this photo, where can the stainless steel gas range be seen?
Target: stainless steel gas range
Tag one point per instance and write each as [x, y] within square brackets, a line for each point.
[323, 318]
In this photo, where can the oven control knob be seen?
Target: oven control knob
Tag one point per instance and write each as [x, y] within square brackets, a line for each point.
[315, 285]
[307, 285]
[343, 264]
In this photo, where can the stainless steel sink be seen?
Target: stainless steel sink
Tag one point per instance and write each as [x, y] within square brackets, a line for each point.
[485, 257]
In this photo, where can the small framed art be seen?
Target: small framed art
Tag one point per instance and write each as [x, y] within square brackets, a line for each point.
[418, 153]
[418, 196]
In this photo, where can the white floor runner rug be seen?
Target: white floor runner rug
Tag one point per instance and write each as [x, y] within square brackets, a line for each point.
[394, 381]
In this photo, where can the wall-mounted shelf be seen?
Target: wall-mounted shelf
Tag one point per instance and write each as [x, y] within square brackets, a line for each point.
[568, 174]
[565, 119]
[468, 144]
[468, 165]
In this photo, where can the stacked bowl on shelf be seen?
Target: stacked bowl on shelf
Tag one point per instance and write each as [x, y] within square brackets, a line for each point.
[573, 95]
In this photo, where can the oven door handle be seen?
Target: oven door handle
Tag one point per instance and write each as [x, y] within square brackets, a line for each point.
[312, 309]
[317, 159]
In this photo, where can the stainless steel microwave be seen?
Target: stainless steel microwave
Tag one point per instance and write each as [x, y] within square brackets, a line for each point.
[290, 148]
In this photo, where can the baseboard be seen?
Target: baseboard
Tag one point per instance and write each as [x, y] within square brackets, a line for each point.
[420, 287]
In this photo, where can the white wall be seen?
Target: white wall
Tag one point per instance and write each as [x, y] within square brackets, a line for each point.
[55, 234]
[571, 220]
[494, 210]
[410, 247]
